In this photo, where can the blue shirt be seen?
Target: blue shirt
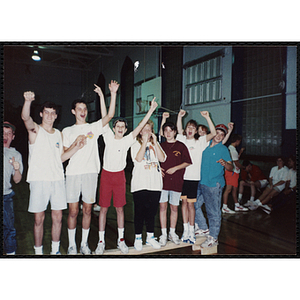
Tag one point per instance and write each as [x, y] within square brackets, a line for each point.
[211, 171]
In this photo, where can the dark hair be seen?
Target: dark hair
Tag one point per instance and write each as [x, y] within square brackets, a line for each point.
[78, 101]
[120, 120]
[236, 137]
[49, 104]
[293, 158]
[197, 135]
[246, 163]
[171, 125]
[190, 122]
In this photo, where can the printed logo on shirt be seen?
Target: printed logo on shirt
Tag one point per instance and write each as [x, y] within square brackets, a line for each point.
[176, 153]
[57, 145]
[90, 135]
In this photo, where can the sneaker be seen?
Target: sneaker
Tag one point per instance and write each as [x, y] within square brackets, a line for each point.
[153, 242]
[174, 238]
[266, 208]
[122, 246]
[249, 203]
[85, 250]
[185, 237]
[240, 208]
[72, 250]
[163, 240]
[192, 239]
[209, 242]
[253, 206]
[201, 232]
[56, 253]
[138, 244]
[100, 248]
[227, 211]
[96, 208]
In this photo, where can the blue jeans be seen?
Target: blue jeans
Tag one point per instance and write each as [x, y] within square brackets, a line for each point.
[9, 231]
[212, 197]
[199, 217]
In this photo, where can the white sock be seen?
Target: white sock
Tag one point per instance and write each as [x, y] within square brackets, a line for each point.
[240, 196]
[185, 227]
[191, 229]
[71, 235]
[38, 250]
[121, 233]
[55, 247]
[138, 236]
[172, 230]
[101, 236]
[150, 235]
[252, 198]
[84, 238]
[237, 204]
[224, 205]
[164, 231]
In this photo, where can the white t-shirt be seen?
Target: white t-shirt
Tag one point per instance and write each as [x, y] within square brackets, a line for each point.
[278, 175]
[234, 156]
[115, 152]
[44, 161]
[146, 175]
[86, 160]
[195, 147]
[292, 177]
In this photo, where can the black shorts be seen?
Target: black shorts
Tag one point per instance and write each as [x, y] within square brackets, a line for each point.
[189, 190]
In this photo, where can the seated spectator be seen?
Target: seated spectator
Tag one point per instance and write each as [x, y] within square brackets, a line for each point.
[289, 193]
[276, 184]
[252, 176]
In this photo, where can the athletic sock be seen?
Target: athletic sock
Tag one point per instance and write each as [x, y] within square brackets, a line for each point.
[120, 233]
[185, 227]
[240, 196]
[71, 235]
[224, 205]
[164, 231]
[172, 230]
[138, 236]
[101, 236]
[252, 198]
[150, 235]
[191, 229]
[237, 204]
[55, 247]
[38, 250]
[85, 234]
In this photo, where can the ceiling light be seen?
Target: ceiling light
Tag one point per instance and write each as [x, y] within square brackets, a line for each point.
[35, 56]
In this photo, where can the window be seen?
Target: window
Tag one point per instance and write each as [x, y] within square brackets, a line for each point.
[203, 81]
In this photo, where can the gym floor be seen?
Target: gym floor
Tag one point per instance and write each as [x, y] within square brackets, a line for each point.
[252, 233]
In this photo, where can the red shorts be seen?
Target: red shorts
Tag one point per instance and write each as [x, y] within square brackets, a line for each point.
[112, 184]
[232, 178]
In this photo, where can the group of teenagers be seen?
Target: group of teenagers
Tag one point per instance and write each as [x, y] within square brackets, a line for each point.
[188, 166]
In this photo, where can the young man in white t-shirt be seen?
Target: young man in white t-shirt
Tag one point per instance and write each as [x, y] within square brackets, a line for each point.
[113, 180]
[84, 167]
[45, 170]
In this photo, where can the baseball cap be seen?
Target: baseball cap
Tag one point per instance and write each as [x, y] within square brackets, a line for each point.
[7, 124]
[222, 127]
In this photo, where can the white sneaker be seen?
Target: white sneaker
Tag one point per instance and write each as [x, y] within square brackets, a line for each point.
[185, 237]
[201, 232]
[266, 208]
[122, 246]
[174, 238]
[227, 210]
[100, 248]
[192, 239]
[240, 208]
[153, 242]
[209, 242]
[138, 244]
[163, 240]
[249, 203]
[96, 208]
[85, 250]
[72, 250]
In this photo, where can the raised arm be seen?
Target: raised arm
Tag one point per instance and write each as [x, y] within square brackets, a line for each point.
[113, 87]
[30, 125]
[205, 114]
[180, 115]
[152, 108]
[102, 101]
[230, 129]
[165, 116]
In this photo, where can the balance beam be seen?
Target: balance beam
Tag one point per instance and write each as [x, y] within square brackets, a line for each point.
[169, 246]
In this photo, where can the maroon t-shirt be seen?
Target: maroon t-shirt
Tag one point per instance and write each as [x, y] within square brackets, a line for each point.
[177, 153]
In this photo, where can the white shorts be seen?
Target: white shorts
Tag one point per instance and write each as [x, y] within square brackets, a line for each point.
[263, 183]
[174, 197]
[86, 184]
[41, 192]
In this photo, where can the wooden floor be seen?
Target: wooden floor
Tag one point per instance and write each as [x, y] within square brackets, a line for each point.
[252, 233]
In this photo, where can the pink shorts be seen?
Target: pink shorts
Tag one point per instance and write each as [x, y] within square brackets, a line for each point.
[112, 184]
[232, 178]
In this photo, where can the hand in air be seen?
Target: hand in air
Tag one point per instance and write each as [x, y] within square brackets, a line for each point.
[113, 86]
[98, 90]
[154, 104]
[182, 113]
[165, 115]
[29, 96]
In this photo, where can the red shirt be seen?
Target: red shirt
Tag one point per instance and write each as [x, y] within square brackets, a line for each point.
[177, 153]
[255, 174]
